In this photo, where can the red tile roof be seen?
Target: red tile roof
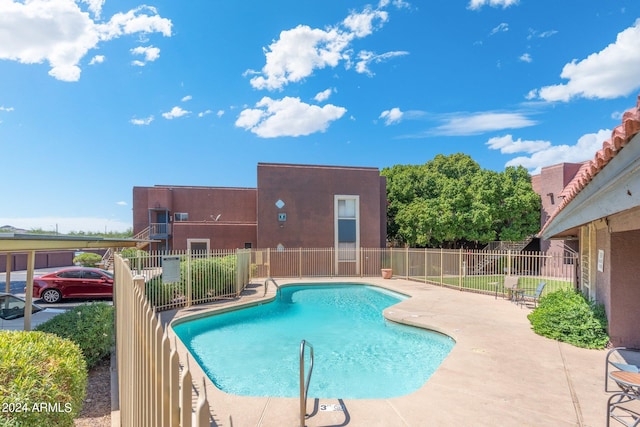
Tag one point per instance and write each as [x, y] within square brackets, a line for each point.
[620, 136]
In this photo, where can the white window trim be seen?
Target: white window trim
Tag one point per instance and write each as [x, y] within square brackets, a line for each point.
[336, 198]
[207, 241]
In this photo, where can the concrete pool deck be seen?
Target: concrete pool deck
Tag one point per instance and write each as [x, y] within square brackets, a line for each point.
[498, 373]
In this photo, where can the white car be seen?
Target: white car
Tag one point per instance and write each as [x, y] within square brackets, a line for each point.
[12, 312]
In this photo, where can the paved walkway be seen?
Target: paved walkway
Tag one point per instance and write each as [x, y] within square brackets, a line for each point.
[498, 373]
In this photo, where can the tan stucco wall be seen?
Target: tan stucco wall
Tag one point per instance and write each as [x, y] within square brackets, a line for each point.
[624, 313]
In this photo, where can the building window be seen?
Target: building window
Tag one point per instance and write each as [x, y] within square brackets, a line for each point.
[180, 216]
[347, 229]
[198, 246]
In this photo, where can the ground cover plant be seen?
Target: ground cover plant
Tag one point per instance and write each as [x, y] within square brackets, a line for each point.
[487, 283]
[90, 326]
[43, 379]
[567, 316]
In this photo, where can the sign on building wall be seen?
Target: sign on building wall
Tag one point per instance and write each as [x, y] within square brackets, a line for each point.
[600, 260]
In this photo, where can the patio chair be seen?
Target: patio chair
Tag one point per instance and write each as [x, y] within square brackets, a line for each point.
[524, 295]
[510, 285]
[622, 359]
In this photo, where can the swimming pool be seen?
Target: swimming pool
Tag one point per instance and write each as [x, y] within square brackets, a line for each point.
[358, 354]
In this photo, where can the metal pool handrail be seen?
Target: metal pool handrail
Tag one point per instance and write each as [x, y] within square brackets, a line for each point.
[266, 284]
[304, 390]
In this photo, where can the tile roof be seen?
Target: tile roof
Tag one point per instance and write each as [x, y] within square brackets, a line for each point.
[620, 136]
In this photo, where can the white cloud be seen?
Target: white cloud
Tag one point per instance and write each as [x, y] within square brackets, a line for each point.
[287, 117]
[477, 4]
[121, 203]
[186, 98]
[542, 35]
[204, 113]
[98, 59]
[142, 122]
[175, 113]
[67, 224]
[362, 24]
[391, 116]
[300, 51]
[525, 57]
[62, 33]
[477, 123]
[610, 73]
[323, 96]
[365, 58]
[95, 6]
[501, 28]
[150, 54]
[507, 145]
[220, 113]
[7, 109]
[584, 149]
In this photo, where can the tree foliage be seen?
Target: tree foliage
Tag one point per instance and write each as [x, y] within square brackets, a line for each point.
[450, 200]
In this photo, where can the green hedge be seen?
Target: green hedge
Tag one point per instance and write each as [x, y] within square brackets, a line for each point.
[567, 316]
[43, 379]
[211, 277]
[87, 259]
[90, 326]
[138, 258]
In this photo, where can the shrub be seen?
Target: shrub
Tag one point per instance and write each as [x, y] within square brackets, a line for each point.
[211, 277]
[90, 326]
[159, 293]
[135, 256]
[567, 316]
[87, 259]
[43, 379]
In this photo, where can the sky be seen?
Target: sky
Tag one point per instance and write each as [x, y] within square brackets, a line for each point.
[99, 96]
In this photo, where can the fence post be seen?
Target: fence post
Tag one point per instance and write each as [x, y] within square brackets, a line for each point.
[189, 284]
[460, 268]
[509, 262]
[441, 266]
[300, 262]
[406, 263]
[425, 265]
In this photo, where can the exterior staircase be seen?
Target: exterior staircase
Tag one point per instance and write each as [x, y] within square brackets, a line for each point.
[499, 250]
[107, 258]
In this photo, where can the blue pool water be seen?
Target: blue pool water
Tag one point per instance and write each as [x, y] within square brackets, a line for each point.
[358, 354]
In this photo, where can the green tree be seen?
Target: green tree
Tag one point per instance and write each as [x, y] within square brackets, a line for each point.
[450, 201]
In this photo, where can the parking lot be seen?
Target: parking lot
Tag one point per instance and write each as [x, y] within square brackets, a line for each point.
[19, 281]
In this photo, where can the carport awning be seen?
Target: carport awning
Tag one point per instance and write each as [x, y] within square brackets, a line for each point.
[15, 242]
[31, 243]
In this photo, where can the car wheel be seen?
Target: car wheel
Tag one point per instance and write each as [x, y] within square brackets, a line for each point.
[51, 295]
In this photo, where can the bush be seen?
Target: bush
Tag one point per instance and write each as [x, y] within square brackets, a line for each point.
[90, 326]
[43, 379]
[211, 277]
[567, 316]
[87, 259]
[159, 293]
[135, 256]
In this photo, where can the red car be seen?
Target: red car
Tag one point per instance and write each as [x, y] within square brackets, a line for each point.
[73, 282]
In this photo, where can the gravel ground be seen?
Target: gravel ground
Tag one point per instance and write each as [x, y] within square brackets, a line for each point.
[96, 411]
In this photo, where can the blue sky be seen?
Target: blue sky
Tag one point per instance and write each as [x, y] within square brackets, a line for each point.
[99, 96]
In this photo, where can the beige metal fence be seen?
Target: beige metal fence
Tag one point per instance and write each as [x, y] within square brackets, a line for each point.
[472, 270]
[182, 278]
[152, 389]
[201, 277]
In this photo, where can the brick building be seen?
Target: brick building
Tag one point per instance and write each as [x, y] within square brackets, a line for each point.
[293, 206]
